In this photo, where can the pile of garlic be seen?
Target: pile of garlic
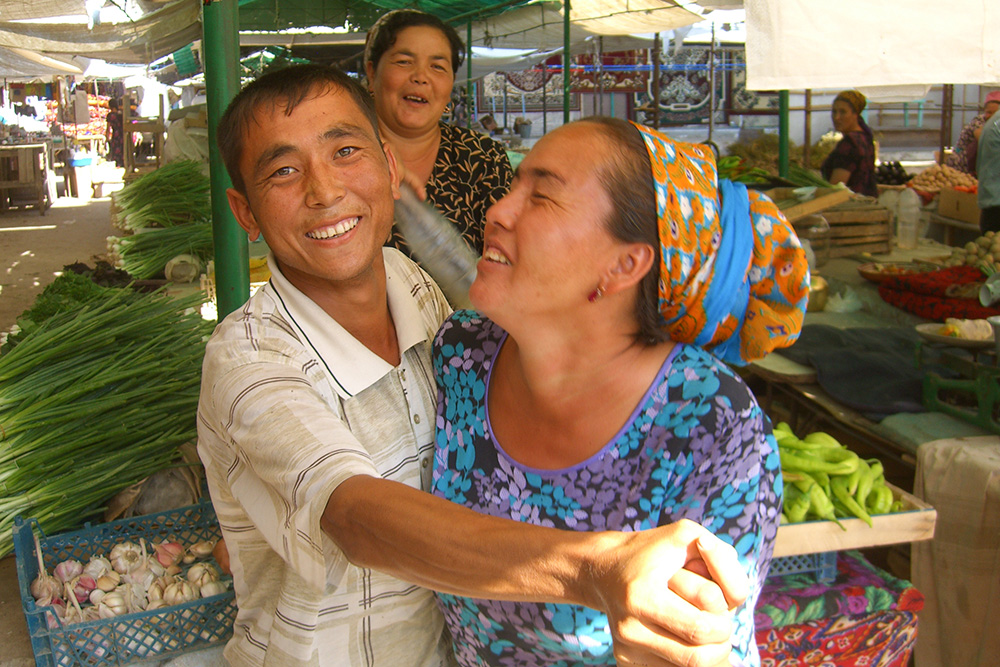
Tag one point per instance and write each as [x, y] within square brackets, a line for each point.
[130, 579]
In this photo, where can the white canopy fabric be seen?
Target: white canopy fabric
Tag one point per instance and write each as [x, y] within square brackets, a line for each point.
[540, 26]
[798, 44]
[21, 64]
[158, 33]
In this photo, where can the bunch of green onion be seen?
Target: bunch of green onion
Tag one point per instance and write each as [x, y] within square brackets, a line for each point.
[175, 194]
[144, 255]
[94, 400]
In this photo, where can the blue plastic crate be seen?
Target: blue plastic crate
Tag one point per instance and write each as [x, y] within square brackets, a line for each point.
[823, 564]
[130, 638]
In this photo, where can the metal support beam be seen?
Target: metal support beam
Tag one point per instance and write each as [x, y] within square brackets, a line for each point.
[469, 100]
[783, 138]
[566, 61]
[947, 111]
[220, 30]
[657, 46]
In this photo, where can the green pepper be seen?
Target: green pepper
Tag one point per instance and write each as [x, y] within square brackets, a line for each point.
[823, 479]
[819, 503]
[796, 462]
[821, 438]
[796, 504]
[881, 500]
[840, 492]
[854, 480]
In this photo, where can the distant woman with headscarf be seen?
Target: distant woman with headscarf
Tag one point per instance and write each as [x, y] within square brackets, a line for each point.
[967, 147]
[852, 161]
[591, 390]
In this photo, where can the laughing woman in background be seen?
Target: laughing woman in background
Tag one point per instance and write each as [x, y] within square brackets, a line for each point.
[410, 60]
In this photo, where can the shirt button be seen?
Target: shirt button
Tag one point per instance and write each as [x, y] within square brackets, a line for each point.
[425, 463]
[416, 419]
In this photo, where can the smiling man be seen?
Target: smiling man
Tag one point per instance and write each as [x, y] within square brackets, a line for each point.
[316, 430]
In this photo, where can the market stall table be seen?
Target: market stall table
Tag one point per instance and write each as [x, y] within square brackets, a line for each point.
[23, 167]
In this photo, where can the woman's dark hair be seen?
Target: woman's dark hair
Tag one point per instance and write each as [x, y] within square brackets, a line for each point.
[627, 177]
[382, 35]
[289, 87]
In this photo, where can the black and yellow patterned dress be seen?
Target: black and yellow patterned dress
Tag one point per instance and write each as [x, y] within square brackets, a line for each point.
[471, 172]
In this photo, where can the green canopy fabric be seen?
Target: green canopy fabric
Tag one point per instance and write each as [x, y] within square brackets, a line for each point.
[279, 14]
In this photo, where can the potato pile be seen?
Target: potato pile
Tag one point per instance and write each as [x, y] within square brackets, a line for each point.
[984, 253]
[939, 176]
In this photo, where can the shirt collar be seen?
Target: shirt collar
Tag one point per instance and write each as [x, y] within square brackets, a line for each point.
[352, 366]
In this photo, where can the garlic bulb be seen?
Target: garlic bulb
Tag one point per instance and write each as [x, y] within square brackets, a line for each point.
[155, 604]
[135, 597]
[155, 590]
[68, 570]
[45, 588]
[168, 553]
[97, 567]
[74, 614]
[125, 557]
[202, 573]
[202, 549]
[212, 588]
[82, 586]
[109, 581]
[96, 596]
[113, 604]
[179, 592]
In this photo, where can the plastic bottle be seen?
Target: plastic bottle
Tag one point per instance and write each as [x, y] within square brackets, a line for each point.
[438, 247]
[907, 219]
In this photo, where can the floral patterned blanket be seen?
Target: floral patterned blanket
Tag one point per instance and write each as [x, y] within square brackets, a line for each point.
[865, 617]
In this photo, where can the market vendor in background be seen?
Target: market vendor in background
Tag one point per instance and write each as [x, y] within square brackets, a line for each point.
[410, 60]
[967, 147]
[988, 167]
[852, 161]
[115, 133]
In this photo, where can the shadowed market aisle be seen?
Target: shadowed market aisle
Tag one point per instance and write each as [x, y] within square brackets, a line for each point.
[33, 249]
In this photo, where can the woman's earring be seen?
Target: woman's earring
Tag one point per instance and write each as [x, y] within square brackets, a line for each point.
[447, 108]
[596, 294]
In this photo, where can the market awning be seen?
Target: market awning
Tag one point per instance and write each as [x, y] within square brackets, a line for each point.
[798, 44]
[28, 26]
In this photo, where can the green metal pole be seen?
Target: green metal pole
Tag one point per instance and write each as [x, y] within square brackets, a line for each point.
[221, 47]
[565, 59]
[469, 106]
[783, 133]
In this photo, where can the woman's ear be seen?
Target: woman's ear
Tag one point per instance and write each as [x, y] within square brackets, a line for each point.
[634, 261]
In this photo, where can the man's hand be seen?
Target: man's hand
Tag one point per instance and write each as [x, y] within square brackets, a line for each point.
[669, 594]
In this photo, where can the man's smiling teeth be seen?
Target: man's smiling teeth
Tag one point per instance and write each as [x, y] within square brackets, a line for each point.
[492, 255]
[334, 231]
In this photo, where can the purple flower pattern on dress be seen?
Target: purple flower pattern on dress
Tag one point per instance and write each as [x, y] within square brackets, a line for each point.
[697, 446]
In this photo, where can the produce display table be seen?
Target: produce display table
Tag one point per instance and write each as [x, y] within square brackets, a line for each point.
[959, 571]
[23, 167]
[864, 617]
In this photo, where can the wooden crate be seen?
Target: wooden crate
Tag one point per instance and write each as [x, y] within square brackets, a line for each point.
[913, 523]
[794, 208]
[857, 227]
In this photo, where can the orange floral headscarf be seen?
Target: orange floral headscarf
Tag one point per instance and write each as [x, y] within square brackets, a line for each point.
[733, 275]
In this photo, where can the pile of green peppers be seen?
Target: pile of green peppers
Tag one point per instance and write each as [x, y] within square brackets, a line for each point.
[826, 480]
